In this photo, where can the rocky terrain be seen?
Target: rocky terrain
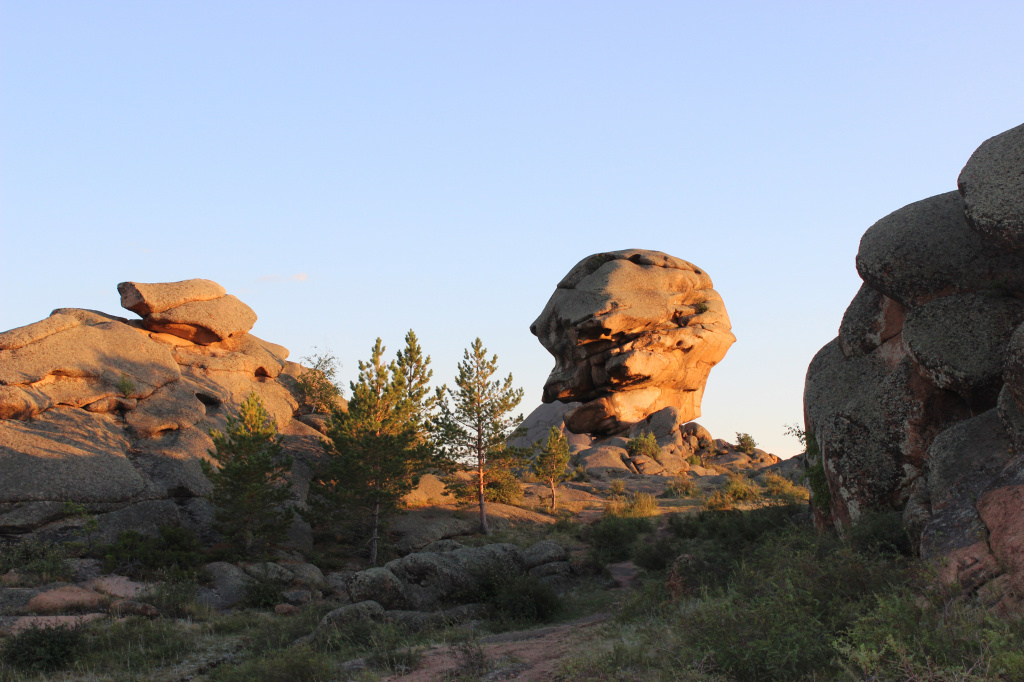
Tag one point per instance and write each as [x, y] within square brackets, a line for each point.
[114, 414]
[918, 405]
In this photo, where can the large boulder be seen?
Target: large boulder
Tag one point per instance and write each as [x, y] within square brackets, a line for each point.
[992, 186]
[632, 332]
[116, 415]
[917, 406]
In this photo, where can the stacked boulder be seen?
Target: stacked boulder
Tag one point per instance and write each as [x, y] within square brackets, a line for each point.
[918, 405]
[115, 415]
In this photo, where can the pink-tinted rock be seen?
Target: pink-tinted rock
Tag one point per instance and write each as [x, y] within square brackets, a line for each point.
[26, 622]
[146, 299]
[204, 322]
[67, 598]
[632, 332]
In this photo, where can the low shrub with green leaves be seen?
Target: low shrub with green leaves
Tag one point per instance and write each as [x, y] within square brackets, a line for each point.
[644, 445]
[36, 561]
[613, 537]
[262, 594]
[781, 489]
[517, 598]
[745, 443]
[175, 595]
[738, 489]
[44, 648]
[143, 556]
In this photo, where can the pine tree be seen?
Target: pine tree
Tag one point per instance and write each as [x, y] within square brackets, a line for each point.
[552, 460]
[250, 481]
[416, 372]
[374, 451]
[473, 425]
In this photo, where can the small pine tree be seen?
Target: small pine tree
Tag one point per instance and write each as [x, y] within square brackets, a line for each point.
[375, 450]
[250, 481]
[552, 461]
[473, 423]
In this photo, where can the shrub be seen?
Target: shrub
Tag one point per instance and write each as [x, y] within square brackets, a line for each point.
[38, 561]
[317, 385]
[45, 648]
[745, 443]
[881, 532]
[694, 460]
[618, 487]
[579, 473]
[681, 486]
[644, 445]
[519, 598]
[502, 486]
[262, 594]
[142, 556]
[613, 537]
[737, 489]
[817, 480]
[656, 556]
[126, 386]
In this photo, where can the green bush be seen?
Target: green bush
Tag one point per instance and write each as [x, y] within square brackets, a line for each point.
[737, 489]
[783, 490]
[518, 598]
[656, 556]
[143, 556]
[694, 460]
[37, 561]
[644, 445]
[881, 532]
[317, 385]
[501, 486]
[44, 649]
[745, 443]
[262, 594]
[613, 537]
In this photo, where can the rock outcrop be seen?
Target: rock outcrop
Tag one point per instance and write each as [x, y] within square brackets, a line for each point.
[115, 414]
[917, 406]
[632, 332]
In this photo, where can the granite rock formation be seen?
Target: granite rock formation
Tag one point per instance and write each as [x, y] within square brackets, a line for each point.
[115, 414]
[633, 332]
[918, 406]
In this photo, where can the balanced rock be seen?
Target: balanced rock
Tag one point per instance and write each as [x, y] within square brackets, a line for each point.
[632, 332]
[115, 416]
[916, 407]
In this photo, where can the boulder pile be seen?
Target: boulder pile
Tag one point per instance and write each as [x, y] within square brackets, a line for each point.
[918, 405]
[114, 414]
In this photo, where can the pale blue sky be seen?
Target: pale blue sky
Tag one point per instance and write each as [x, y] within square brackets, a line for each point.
[356, 169]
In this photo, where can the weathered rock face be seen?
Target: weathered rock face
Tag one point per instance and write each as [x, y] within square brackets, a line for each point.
[917, 406]
[115, 415]
[632, 332]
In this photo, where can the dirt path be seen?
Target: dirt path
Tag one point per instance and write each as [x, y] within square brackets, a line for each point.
[522, 655]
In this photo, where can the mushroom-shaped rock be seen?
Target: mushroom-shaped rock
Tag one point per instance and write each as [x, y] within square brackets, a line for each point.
[146, 299]
[992, 185]
[632, 332]
[204, 322]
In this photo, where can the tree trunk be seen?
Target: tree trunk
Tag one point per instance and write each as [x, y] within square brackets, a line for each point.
[554, 500]
[483, 503]
[373, 538]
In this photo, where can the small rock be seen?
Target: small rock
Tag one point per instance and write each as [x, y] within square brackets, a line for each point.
[297, 597]
[308, 574]
[286, 609]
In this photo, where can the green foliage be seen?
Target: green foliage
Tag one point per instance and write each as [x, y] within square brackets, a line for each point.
[36, 561]
[579, 473]
[701, 307]
[376, 449]
[317, 385]
[694, 460]
[551, 462]
[738, 489]
[473, 425]
[881, 532]
[502, 487]
[644, 445]
[745, 443]
[797, 432]
[262, 594]
[613, 537]
[125, 385]
[175, 595]
[90, 524]
[250, 483]
[517, 598]
[143, 556]
[782, 490]
[817, 480]
[43, 648]
[416, 374]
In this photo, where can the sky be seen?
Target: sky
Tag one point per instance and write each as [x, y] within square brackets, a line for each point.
[355, 169]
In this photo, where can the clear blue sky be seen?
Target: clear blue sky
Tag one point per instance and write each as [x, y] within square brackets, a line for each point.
[353, 170]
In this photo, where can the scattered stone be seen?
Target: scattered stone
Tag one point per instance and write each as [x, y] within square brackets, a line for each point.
[117, 586]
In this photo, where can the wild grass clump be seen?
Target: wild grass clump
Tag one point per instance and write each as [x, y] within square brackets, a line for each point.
[298, 664]
[175, 595]
[681, 486]
[613, 538]
[638, 505]
[782, 490]
[262, 594]
[737, 490]
[37, 562]
[43, 648]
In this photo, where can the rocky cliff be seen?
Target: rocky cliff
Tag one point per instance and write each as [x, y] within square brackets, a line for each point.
[114, 414]
[918, 405]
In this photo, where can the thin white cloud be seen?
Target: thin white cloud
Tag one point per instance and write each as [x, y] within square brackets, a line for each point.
[270, 278]
[301, 277]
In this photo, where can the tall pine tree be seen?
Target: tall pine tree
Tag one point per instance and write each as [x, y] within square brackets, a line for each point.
[250, 482]
[473, 422]
[374, 451]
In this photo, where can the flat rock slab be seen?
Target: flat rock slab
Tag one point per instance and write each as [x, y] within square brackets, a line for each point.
[204, 322]
[67, 598]
[117, 586]
[146, 299]
[12, 626]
